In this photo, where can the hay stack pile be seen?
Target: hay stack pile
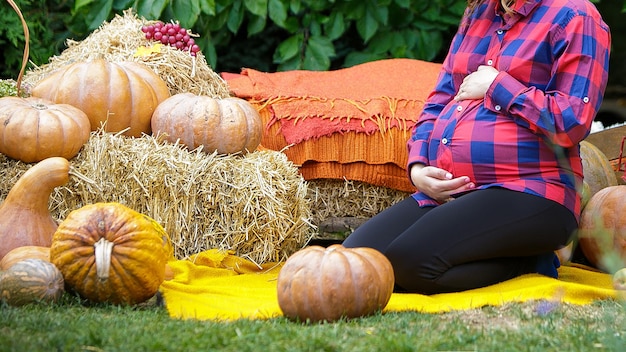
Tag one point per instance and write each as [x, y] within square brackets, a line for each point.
[121, 40]
[255, 205]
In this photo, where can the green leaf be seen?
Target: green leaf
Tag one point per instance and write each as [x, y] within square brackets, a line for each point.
[151, 9]
[257, 7]
[367, 26]
[356, 58]
[81, 3]
[208, 7]
[317, 54]
[336, 26]
[98, 14]
[235, 17]
[277, 11]
[289, 48]
[255, 25]
[295, 6]
[186, 11]
[405, 4]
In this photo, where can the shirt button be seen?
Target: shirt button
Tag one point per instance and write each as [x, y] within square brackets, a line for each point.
[498, 107]
[585, 99]
[489, 62]
[444, 141]
[459, 108]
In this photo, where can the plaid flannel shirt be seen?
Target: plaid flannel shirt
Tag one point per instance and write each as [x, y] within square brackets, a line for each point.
[552, 57]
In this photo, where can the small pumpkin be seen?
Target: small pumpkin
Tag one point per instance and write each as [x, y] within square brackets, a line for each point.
[228, 125]
[120, 95]
[33, 129]
[602, 229]
[326, 284]
[25, 219]
[597, 170]
[108, 252]
[24, 252]
[30, 281]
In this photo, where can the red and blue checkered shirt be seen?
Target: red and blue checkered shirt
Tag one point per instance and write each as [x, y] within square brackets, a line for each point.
[524, 135]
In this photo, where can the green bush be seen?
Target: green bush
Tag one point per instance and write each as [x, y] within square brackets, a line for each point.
[265, 34]
[269, 35]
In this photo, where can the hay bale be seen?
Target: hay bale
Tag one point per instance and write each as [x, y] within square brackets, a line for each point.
[120, 39]
[255, 204]
[332, 198]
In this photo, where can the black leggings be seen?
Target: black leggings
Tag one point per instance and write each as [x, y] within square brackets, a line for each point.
[481, 238]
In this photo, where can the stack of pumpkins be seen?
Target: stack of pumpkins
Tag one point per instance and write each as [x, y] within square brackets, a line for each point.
[105, 251]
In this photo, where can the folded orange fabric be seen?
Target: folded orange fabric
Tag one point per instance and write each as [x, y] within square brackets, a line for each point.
[365, 98]
[378, 159]
[217, 285]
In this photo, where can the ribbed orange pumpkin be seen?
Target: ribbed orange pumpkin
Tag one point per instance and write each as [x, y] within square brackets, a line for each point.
[597, 170]
[30, 281]
[122, 94]
[228, 126]
[326, 284]
[33, 129]
[602, 229]
[108, 252]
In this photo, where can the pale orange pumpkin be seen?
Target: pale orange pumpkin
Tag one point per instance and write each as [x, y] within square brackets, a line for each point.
[119, 95]
[602, 229]
[108, 252]
[326, 284]
[33, 129]
[228, 125]
[597, 170]
[24, 252]
[25, 219]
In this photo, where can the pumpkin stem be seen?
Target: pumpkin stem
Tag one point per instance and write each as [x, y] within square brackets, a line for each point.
[103, 249]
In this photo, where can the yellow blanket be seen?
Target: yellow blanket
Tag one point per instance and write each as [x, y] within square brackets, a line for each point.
[215, 285]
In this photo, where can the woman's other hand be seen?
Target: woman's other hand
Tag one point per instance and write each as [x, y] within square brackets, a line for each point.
[438, 183]
[476, 84]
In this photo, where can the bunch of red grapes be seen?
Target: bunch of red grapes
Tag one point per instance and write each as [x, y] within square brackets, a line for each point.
[171, 34]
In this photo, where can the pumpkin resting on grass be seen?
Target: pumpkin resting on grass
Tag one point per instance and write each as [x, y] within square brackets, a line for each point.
[31, 280]
[24, 216]
[108, 252]
[326, 284]
[602, 229]
[228, 126]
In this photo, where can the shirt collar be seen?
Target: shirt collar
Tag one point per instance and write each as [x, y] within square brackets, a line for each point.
[523, 8]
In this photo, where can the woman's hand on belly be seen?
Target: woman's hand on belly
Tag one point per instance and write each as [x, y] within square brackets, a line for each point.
[437, 183]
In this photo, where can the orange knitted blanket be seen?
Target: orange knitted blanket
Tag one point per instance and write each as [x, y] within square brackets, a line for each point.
[351, 123]
[371, 97]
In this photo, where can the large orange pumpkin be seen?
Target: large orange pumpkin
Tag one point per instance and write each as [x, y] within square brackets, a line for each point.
[108, 252]
[326, 284]
[33, 129]
[602, 230]
[119, 95]
[228, 125]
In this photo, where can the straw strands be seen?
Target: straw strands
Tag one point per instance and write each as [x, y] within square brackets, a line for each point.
[120, 40]
[254, 204]
[347, 198]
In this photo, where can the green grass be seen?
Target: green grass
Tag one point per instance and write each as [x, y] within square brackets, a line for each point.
[73, 326]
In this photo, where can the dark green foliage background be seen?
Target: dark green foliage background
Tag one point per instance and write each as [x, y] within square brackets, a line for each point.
[268, 35]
